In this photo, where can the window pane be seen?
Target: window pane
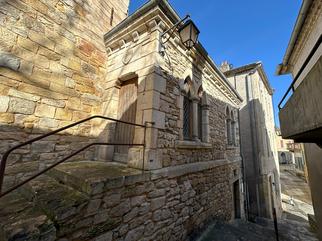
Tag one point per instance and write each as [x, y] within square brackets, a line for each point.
[186, 119]
[200, 121]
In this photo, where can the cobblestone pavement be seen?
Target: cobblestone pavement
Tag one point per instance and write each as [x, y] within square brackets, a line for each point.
[293, 226]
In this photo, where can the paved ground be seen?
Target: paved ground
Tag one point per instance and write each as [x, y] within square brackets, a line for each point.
[294, 187]
[293, 226]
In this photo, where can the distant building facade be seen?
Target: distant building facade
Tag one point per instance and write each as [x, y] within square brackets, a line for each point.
[285, 156]
[301, 114]
[257, 135]
[290, 154]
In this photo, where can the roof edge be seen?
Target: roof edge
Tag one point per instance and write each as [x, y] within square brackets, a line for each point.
[164, 5]
[252, 66]
[283, 67]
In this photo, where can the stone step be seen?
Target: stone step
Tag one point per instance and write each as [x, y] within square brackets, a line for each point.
[21, 220]
[59, 202]
[92, 177]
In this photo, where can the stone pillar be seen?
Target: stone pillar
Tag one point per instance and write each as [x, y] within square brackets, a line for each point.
[195, 119]
[205, 124]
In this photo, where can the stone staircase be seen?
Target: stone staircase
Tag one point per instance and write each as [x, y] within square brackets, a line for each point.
[60, 205]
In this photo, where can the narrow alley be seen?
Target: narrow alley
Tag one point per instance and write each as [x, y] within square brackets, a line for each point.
[293, 226]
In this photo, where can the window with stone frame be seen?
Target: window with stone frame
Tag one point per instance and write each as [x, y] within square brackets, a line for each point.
[187, 118]
[200, 120]
[195, 113]
[200, 114]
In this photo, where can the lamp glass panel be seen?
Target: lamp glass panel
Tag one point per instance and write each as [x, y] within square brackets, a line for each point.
[185, 33]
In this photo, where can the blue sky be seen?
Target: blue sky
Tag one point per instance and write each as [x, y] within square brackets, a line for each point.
[243, 32]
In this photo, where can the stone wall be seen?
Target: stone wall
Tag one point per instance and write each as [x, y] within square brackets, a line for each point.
[134, 49]
[52, 67]
[169, 137]
[163, 206]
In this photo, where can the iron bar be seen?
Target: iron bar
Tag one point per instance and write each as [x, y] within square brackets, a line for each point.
[307, 60]
[7, 153]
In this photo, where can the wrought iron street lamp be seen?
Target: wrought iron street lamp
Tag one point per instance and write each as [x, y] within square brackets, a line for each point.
[189, 34]
[187, 30]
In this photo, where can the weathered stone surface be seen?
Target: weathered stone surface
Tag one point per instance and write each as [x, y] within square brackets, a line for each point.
[105, 237]
[7, 118]
[43, 146]
[4, 103]
[45, 111]
[63, 114]
[17, 105]
[134, 234]
[121, 209]
[93, 206]
[23, 95]
[52, 102]
[157, 203]
[9, 61]
[137, 201]
[48, 123]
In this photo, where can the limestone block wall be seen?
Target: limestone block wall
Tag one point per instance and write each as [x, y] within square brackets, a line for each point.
[178, 64]
[160, 206]
[52, 67]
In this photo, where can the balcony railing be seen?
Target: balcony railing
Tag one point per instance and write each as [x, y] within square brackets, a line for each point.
[308, 59]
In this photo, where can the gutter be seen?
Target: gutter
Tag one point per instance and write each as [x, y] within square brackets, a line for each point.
[294, 37]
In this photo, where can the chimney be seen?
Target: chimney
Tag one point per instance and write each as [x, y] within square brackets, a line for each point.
[225, 66]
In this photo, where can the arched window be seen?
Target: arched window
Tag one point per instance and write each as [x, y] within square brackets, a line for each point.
[187, 110]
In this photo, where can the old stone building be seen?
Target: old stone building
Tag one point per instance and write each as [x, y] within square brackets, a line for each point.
[57, 69]
[290, 154]
[258, 145]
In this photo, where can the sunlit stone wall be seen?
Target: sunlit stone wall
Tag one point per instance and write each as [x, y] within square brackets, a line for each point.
[52, 67]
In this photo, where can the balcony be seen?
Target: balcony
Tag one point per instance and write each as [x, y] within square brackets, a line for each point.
[301, 116]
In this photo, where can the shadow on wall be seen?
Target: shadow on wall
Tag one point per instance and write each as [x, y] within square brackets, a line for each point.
[39, 55]
[259, 160]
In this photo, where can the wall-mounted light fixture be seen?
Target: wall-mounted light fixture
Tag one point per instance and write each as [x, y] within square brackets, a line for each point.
[187, 30]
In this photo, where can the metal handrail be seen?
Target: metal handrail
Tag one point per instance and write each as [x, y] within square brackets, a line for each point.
[307, 60]
[7, 153]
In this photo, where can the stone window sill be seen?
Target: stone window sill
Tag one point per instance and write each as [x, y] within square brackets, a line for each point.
[231, 147]
[192, 145]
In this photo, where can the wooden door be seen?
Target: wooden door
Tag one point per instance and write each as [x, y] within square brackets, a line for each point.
[124, 133]
[237, 200]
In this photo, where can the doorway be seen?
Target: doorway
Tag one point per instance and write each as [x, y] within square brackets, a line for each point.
[127, 106]
[236, 199]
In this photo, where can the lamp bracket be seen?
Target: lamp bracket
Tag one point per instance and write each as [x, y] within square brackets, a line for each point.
[172, 28]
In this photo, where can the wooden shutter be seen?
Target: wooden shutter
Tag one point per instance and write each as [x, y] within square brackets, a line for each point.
[124, 133]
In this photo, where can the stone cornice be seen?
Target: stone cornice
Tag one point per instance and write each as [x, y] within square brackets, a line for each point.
[158, 15]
